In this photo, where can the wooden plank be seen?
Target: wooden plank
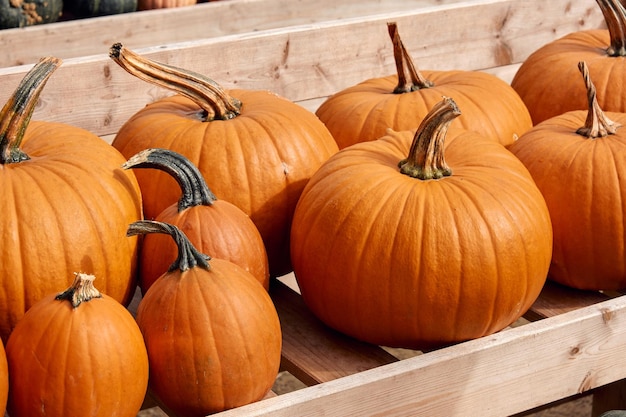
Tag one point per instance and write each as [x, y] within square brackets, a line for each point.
[154, 27]
[556, 299]
[314, 353]
[311, 61]
[503, 374]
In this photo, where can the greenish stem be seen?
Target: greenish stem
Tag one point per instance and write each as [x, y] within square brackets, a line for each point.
[18, 110]
[426, 157]
[597, 123]
[203, 91]
[81, 290]
[409, 78]
[195, 191]
[615, 17]
[188, 256]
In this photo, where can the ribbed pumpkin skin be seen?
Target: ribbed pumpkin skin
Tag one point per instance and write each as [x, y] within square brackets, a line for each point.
[213, 339]
[163, 4]
[548, 81]
[397, 261]
[364, 112]
[65, 210]
[258, 161]
[4, 379]
[584, 185]
[90, 361]
[222, 230]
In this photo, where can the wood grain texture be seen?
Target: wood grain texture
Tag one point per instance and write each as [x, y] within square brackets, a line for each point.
[311, 61]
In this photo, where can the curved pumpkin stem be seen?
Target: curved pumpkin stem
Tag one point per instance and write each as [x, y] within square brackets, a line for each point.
[615, 17]
[188, 256]
[426, 159]
[597, 123]
[195, 191]
[409, 78]
[206, 93]
[81, 290]
[17, 112]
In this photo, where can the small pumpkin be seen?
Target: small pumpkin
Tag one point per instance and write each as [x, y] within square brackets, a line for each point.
[22, 13]
[548, 81]
[212, 332]
[449, 243]
[364, 111]
[64, 192]
[259, 149]
[578, 161]
[213, 226]
[75, 354]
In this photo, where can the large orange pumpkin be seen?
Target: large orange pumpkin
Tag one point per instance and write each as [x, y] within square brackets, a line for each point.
[4, 379]
[437, 251]
[259, 149]
[213, 226]
[79, 353]
[65, 207]
[212, 332]
[364, 111]
[548, 82]
[578, 160]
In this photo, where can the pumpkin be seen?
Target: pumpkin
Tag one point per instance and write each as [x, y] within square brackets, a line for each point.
[4, 379]
[66, 204]
[421, 238]
[363, 112]
[213, 226]
[578, 161]
[94, 8]
[22, 13]
[259, 149]
[78, 353]
[212, 332]
[548, 81]
[163, 4]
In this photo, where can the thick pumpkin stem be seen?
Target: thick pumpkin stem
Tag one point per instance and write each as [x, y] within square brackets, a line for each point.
[195, 191]
[206, 93]
[409, 78]
[597, 123]
[426, 157]
[615, 17]
[188, 256]
[81, 290]
[18, 110]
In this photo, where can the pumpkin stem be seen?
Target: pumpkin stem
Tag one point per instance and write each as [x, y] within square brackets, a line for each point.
[81, 290]
[426, 160]
[188, 256]
[16, 113]
[597, 123]
[409, 78]
[206, 93]
[195, 191]
[615, 17]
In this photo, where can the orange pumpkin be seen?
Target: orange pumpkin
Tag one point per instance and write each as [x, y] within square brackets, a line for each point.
[548, 82]
[163, 4]
[259, 149]
[578, 160]
[436, 251]
[4, 379]
[212, 332]
[213, 226]
[364, 111]
[77, 354]
[65, 207]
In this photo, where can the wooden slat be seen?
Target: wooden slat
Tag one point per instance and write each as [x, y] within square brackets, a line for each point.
[503, 374]
[154, 27]
[556, 299]
[310, 61]
[312, 352]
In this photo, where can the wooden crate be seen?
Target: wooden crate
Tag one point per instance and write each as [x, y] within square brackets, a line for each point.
[305, 50]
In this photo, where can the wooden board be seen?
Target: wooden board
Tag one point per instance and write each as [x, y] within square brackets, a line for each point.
[311, 61]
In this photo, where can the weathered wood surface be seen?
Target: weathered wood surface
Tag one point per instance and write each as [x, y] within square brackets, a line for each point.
[311, 61]
[85, 37]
